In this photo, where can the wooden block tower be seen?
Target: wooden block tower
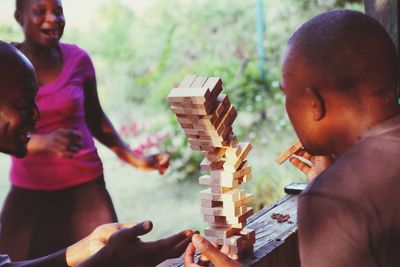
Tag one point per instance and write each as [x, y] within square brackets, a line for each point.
[206, 116]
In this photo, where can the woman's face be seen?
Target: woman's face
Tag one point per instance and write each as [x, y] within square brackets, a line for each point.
[42, 21]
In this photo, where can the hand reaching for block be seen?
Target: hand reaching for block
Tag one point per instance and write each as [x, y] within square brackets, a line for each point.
[209, 253]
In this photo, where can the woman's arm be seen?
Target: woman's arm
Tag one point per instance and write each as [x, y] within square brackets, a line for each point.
[103, 130]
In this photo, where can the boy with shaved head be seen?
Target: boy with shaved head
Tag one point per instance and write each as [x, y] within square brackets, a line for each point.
[339, 77]
[108, 245]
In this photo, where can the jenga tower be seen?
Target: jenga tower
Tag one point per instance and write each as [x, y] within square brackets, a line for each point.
[206, 117]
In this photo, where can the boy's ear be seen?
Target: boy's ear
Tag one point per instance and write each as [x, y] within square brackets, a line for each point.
[317, 103]
[18, 16]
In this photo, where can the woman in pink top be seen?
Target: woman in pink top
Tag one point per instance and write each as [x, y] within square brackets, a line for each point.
[58, 194]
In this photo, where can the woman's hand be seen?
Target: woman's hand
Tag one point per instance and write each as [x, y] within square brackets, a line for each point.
[158, 161]
[61, 142]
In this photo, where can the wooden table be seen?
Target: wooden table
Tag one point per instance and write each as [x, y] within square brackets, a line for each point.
[276, 243]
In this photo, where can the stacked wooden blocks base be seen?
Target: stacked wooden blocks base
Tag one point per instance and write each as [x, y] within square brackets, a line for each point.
[206, 116]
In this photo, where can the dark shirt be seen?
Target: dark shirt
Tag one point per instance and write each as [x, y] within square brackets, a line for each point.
[349, 216]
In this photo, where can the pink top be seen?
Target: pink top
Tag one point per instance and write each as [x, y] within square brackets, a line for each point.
[61, 104]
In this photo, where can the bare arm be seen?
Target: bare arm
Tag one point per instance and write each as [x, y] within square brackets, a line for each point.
[103, 130]
[57, 259]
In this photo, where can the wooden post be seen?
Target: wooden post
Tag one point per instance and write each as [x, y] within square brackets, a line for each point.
[387, 13]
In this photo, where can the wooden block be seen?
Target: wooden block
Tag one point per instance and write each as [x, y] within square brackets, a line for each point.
[210, 203]
[218, 241]
[231, 175]
[213, 118]
[249, 234]
[247, 178]
[207, 165]
[226, 120]
[217, 189]
[226, 182]
[214, 84]
[231, 195]
[219, 186]
[235, 240]
[200, 142]
[192, 111]
[228, 219]
[243, 250]
[199, 81]
[243, 152]
[207, 147]
[205, 180]
[221, 232]
[241, 241]
[194, 147]
[233, 152]
[288, 153]
[231, 140]
[187, 81]
[216, 154]
[233, 166]
[214, 219]
[226, 133]
[241, 202]
[226, 224]
[186, 119]
[240, 219]
[198, 95]
[195, 132]
[186, 125]
[221, 211]
[223, 104]
[203, 125]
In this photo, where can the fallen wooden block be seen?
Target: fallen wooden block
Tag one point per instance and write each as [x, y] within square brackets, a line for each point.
[288, 153]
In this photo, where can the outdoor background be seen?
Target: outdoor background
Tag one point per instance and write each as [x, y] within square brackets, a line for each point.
[141, 49]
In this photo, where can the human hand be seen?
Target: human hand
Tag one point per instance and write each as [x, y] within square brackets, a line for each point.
[62, 142]
[209, 253]
[159, 162]
[319, 163]
[124, 248]
[91, 244]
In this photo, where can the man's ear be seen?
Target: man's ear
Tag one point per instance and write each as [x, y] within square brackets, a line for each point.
[317, 103]
[18, 17]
